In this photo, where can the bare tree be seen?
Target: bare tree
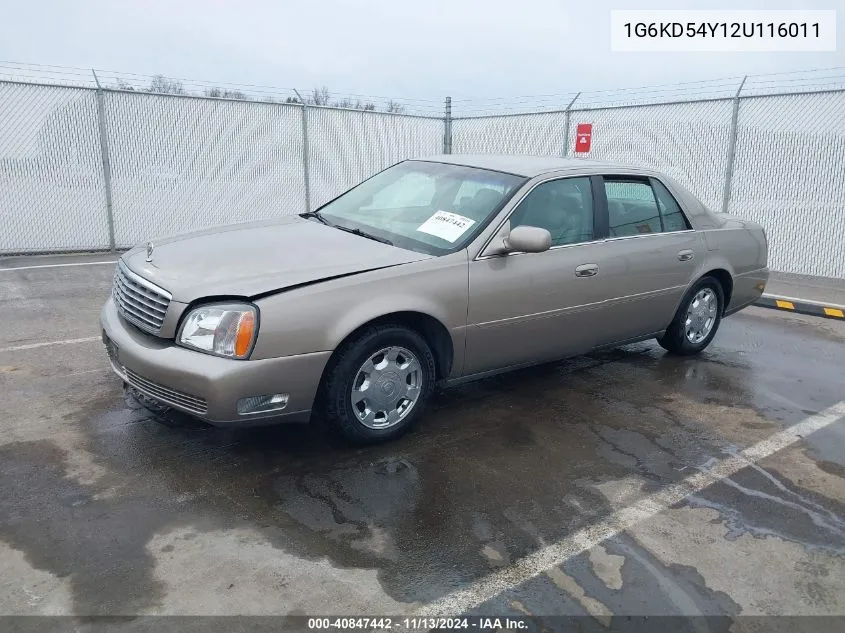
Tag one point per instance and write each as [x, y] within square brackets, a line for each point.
[354, 105]
[223, 93]
[163, 85]
[394, 107]
[320, 96]
[120, 84]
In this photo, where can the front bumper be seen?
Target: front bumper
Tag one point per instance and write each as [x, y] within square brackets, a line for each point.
[206, 386]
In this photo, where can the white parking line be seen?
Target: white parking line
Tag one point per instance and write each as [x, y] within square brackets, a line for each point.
[69, 341]
[3, 270]
[81, 373]
[585, 539]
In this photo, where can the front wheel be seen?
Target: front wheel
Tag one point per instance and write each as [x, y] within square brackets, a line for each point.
[378, 383]
[696, 320]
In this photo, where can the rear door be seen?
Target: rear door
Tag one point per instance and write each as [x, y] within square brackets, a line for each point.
[652, 257]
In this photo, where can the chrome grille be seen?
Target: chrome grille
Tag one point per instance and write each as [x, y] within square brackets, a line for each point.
[175, 398]
[140, 302]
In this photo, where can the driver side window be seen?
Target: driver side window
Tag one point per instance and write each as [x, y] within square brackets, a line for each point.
[563, 207]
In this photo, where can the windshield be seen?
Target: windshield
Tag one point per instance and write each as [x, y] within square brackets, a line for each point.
[431, 208]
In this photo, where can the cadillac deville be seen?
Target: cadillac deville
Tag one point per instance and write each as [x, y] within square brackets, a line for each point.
[433, 271]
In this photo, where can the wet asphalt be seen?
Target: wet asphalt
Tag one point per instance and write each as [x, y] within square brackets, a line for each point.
[107, 508]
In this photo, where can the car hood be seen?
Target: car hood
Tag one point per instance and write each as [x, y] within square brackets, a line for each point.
[246, 260]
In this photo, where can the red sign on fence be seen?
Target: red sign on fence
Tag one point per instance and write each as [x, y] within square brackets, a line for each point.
[583, 137]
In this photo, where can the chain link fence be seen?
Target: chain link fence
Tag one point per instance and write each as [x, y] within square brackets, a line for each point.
[789, 175]
[52, 194]
[787, 171]
[345, 147]
[182, 163]
[85, 169]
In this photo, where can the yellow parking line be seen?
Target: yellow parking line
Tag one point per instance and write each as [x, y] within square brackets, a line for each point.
[834, 312]
[785, 304]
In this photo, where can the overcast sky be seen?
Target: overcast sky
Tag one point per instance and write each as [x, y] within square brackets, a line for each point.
[424, 48]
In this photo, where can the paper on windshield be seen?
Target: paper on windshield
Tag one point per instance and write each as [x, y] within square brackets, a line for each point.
[446, 225]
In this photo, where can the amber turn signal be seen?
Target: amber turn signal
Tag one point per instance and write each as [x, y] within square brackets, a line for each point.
[246, 331]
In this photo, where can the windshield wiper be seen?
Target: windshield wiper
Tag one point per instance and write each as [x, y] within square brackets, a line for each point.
[369, 236]
[316, 215]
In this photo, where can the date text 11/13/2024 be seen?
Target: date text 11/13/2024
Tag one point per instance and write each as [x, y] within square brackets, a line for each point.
[483, 623]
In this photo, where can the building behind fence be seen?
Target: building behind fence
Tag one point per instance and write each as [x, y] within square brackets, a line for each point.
[87, 168]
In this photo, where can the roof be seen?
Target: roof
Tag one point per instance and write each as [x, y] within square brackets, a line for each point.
[531, 166]
[528, 166]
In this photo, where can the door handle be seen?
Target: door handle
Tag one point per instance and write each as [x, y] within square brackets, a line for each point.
[686, 255]
[587, 270]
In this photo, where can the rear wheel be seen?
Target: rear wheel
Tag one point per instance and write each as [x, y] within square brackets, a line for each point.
[378, 383]
[697, 319]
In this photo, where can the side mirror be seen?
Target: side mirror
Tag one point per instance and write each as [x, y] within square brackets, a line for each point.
[527, 239]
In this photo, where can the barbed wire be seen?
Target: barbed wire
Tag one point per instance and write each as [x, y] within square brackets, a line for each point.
[811, 80]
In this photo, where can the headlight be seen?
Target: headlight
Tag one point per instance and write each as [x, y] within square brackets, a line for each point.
[224, 329]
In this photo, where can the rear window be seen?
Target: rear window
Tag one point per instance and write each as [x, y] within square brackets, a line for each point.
[670, 210]
[632, 208]
[641, 206]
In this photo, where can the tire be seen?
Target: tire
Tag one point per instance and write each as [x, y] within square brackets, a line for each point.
[678, 339]
[379, 409]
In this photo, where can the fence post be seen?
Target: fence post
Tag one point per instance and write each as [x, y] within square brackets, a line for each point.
[104, 153]
[447, 127]
[305, 169]
[729, 168]
[566, 126]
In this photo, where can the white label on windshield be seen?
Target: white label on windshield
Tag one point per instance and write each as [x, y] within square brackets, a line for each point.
[446, 225]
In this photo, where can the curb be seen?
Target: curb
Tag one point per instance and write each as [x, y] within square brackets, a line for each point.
[802, 306]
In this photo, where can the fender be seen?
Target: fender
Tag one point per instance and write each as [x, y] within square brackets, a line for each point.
[712, 261]
[318, 317]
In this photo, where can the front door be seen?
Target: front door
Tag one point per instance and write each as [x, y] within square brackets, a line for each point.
[531, 307]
